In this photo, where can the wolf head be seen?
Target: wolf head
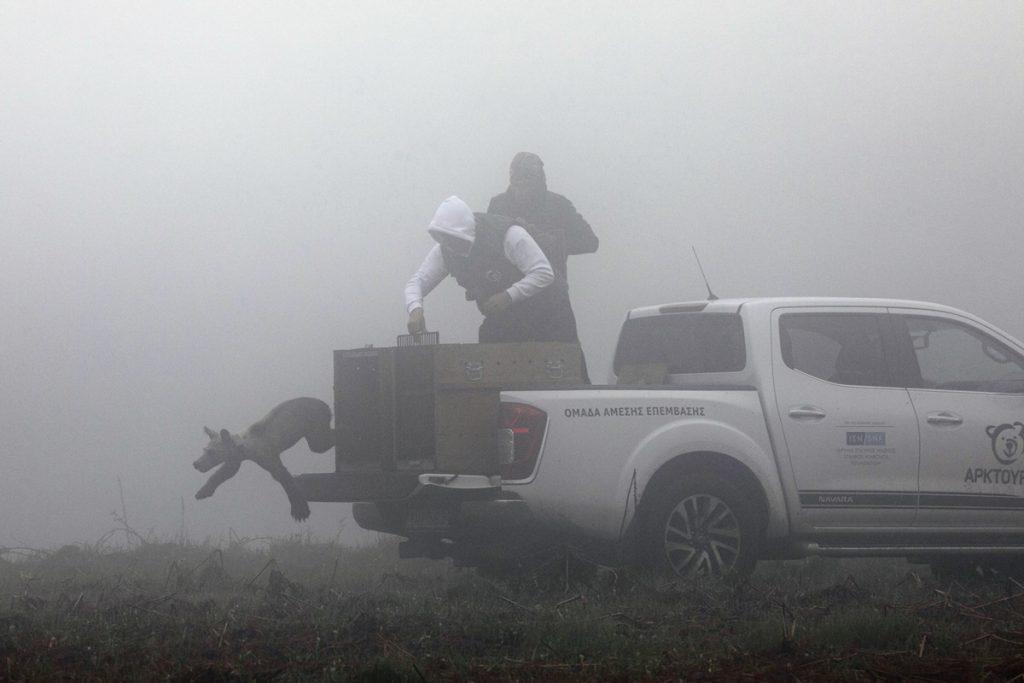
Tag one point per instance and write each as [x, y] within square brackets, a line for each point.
[220, 449]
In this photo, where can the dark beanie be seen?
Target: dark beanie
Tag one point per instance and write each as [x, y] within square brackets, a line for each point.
[529, 160]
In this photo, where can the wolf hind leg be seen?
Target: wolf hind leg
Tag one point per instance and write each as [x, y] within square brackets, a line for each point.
[299, 506]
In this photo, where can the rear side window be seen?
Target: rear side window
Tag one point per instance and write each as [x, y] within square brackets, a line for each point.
[684, 343]
[845, 348]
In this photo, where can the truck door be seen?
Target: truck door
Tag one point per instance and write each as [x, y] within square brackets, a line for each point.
[966, 385]
[849, 429]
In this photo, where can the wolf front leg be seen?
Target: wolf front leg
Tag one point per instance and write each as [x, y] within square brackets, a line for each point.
[300, 508]
[220, 475]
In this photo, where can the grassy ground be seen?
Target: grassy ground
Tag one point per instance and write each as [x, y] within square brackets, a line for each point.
[296, 609]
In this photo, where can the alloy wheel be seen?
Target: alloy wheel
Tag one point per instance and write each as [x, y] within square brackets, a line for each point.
[702, 536]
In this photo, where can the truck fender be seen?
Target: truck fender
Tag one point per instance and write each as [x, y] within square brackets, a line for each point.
[700, 436]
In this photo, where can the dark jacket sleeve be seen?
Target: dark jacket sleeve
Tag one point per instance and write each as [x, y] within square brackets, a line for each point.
[497, 205]
[579, 236]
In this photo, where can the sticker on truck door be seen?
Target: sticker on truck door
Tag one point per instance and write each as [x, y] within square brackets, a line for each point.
[987, 487]
[1007, 441]
[865, 448]
[1007, 446]
[865, 438]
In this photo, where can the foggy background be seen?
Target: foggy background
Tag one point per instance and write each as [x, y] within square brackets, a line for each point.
[200, 201]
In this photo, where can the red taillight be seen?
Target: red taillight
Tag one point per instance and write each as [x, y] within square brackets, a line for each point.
[526, 425]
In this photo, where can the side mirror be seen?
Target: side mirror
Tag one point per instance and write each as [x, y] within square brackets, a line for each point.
[994, 353]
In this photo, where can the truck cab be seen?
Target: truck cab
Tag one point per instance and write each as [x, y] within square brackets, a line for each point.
[895, 425]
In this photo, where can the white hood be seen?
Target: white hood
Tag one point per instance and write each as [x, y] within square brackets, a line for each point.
[455, 219]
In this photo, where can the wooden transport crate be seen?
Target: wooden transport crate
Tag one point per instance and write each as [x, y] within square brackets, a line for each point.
[420, 408]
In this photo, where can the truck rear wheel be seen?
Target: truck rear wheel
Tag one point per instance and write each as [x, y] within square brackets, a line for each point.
[701, 525]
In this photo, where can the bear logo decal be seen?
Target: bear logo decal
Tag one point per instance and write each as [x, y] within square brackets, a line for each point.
[1007, 441]
[473, 370]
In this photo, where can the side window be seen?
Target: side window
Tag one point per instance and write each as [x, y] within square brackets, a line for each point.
[845, 348]
[954, 356]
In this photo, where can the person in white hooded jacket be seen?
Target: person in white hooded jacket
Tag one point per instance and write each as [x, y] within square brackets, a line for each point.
[502, 269]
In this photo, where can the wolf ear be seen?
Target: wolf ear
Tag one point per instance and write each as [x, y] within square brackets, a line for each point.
[210, 433]
[225, 436]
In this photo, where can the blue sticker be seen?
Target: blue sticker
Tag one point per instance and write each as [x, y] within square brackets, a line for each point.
[865, 438]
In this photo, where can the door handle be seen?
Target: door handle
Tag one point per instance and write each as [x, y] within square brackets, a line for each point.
[944, 418]
[806, 412]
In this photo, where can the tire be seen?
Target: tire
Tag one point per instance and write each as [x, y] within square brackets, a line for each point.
[701, 525]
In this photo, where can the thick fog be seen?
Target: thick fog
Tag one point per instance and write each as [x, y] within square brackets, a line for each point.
[200, 201]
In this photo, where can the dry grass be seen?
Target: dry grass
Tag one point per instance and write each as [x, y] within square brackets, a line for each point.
[296, 609]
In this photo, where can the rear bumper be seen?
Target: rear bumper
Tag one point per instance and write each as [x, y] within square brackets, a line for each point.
[438, 505]
[464, 519]
[347, 487]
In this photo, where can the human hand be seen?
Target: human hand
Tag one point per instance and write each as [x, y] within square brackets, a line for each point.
[417, 323]
[495, 304]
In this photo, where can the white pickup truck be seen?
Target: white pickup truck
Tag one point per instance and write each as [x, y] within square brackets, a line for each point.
[745, 429]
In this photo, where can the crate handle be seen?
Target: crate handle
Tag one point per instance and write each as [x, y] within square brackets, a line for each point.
[419, 339]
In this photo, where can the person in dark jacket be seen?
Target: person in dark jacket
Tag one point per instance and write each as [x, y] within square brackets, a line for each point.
[550, 218]
[502, 269]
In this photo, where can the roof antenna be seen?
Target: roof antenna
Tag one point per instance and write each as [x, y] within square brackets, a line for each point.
[711, 295]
